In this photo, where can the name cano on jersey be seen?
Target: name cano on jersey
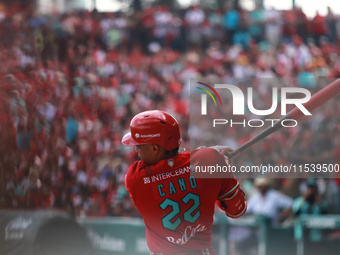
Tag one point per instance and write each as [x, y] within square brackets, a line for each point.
[176, 185]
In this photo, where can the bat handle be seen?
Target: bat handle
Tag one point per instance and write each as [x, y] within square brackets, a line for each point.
[232, 154]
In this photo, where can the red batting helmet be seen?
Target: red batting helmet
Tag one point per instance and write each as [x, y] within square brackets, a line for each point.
[153, 127]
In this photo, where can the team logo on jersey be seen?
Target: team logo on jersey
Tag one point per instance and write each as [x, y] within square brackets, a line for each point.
[146, 180]
[171, 162]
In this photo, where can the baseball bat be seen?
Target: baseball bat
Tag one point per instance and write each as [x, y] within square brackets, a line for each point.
[327, 93]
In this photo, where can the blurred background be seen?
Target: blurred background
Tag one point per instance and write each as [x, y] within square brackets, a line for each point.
[74, 73]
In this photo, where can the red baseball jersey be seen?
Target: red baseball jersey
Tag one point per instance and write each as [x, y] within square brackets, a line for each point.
[176, 206]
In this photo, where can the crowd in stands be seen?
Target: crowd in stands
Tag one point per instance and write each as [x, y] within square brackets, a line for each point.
[70, 84]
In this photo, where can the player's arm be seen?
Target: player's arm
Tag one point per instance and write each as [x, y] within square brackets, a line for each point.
[233, 203]
[231, 197]
[129, 177]
[222, 149]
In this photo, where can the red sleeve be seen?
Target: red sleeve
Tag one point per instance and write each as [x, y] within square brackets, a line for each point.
[128, 179]
[210, 157]
[131, 175]
[228, 188]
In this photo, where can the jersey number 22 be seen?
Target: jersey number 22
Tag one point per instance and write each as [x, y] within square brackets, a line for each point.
[187, 215]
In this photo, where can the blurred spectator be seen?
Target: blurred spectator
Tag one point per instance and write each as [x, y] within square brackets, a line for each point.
[123, 205]
[269, 203]
[319, 27]
[273, 24]
[242, 36]
[231, 22]
[194, 19]
[256, 23]
[23, 137]
[331, 25]
[162, 18]
[71, 130]
[289, 25]
[310, 203]
[299, 53]
[302, 24]
[306, 78]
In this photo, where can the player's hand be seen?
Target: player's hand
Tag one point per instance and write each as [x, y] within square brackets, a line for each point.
[224, 150]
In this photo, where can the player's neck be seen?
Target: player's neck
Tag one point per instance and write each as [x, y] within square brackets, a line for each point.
[170, 155]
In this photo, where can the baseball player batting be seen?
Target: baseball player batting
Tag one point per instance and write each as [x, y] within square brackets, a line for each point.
[177, 208]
